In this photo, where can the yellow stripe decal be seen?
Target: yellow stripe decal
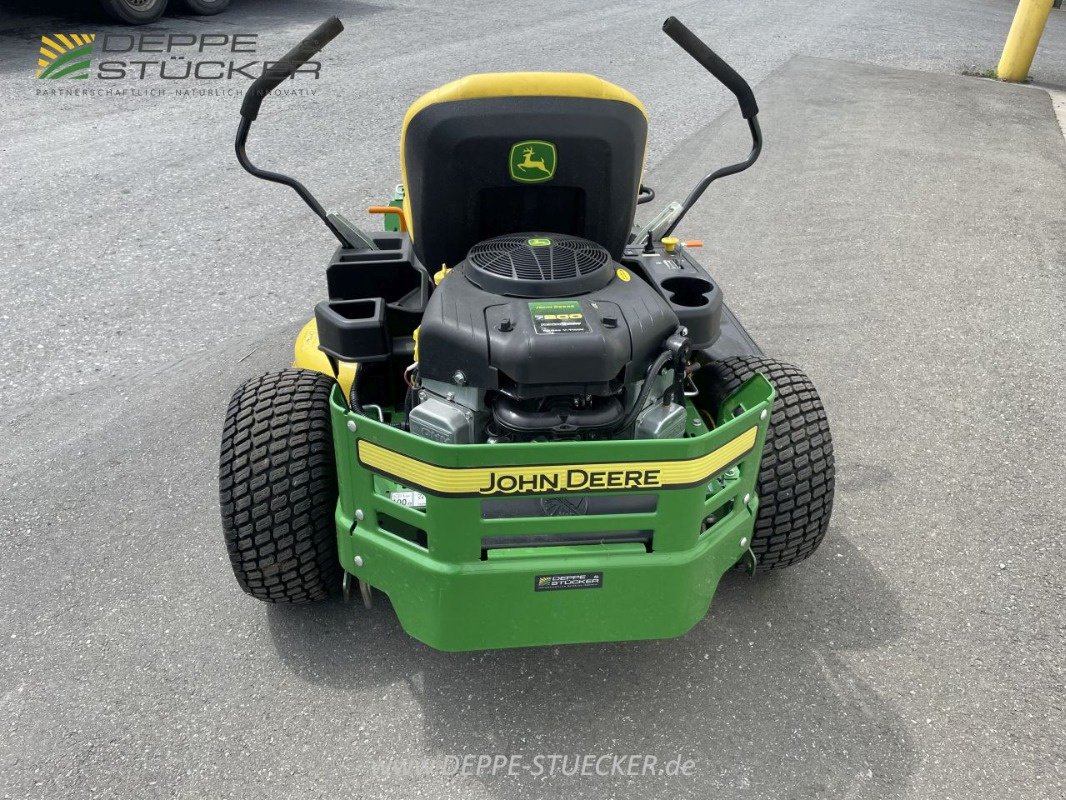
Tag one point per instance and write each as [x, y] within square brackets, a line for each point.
[67, 43]
[555, 478]
[53, 44]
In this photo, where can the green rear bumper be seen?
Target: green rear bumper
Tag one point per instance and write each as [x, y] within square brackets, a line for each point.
[480, 567]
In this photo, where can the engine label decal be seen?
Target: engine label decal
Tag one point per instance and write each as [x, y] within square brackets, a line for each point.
[573, 580]
[557, 316]
[555, 478]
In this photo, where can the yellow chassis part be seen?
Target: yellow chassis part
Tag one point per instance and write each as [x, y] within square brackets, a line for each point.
[308, 356]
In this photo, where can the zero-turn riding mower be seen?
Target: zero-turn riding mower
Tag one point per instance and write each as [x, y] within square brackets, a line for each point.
[524, 420]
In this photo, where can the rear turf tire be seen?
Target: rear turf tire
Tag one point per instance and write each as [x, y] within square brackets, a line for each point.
[278, 487]
[797, 475]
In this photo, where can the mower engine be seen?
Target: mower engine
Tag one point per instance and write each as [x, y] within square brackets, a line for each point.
[544, 337]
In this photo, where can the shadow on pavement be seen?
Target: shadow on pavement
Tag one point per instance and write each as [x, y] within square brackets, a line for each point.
[776, 655]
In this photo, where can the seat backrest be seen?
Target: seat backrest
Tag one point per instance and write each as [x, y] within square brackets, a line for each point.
[501, 153]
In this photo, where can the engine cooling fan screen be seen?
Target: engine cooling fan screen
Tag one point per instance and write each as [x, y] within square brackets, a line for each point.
[539, 265]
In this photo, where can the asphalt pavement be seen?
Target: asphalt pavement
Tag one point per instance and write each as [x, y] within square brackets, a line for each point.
[902, 239]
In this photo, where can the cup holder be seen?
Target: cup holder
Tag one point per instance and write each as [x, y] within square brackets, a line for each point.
[688, 292]
[353, 330]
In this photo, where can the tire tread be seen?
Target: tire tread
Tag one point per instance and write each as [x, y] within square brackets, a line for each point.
[797, 475]
[278, 487]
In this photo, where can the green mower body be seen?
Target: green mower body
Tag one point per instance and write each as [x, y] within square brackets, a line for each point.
[522, 544]
[521, 417]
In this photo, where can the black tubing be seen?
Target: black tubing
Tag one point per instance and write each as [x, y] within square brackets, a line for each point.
[279, 71]
[645, 390]
[510, 417]
[353, 392]
[714, 64]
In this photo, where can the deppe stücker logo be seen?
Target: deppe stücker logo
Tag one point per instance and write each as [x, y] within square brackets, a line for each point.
[155, 55]
[65, 55]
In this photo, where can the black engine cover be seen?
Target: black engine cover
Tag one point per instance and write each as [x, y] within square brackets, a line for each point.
[539, 314]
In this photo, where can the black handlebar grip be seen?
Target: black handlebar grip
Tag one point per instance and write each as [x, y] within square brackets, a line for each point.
[281, 70]
[713, 63]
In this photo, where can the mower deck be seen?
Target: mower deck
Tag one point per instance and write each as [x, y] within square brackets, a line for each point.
[610, 540]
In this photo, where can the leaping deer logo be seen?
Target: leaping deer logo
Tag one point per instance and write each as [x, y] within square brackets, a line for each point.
[528, 162]
[532, 161]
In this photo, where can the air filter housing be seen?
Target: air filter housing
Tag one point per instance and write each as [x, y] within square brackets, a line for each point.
[538, 265]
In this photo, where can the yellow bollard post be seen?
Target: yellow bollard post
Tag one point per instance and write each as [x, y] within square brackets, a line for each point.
[1024, 36]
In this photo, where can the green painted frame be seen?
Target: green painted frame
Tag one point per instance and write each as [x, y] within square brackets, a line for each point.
[451, 593]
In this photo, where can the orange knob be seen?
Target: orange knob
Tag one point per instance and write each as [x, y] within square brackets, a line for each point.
[390, 210]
